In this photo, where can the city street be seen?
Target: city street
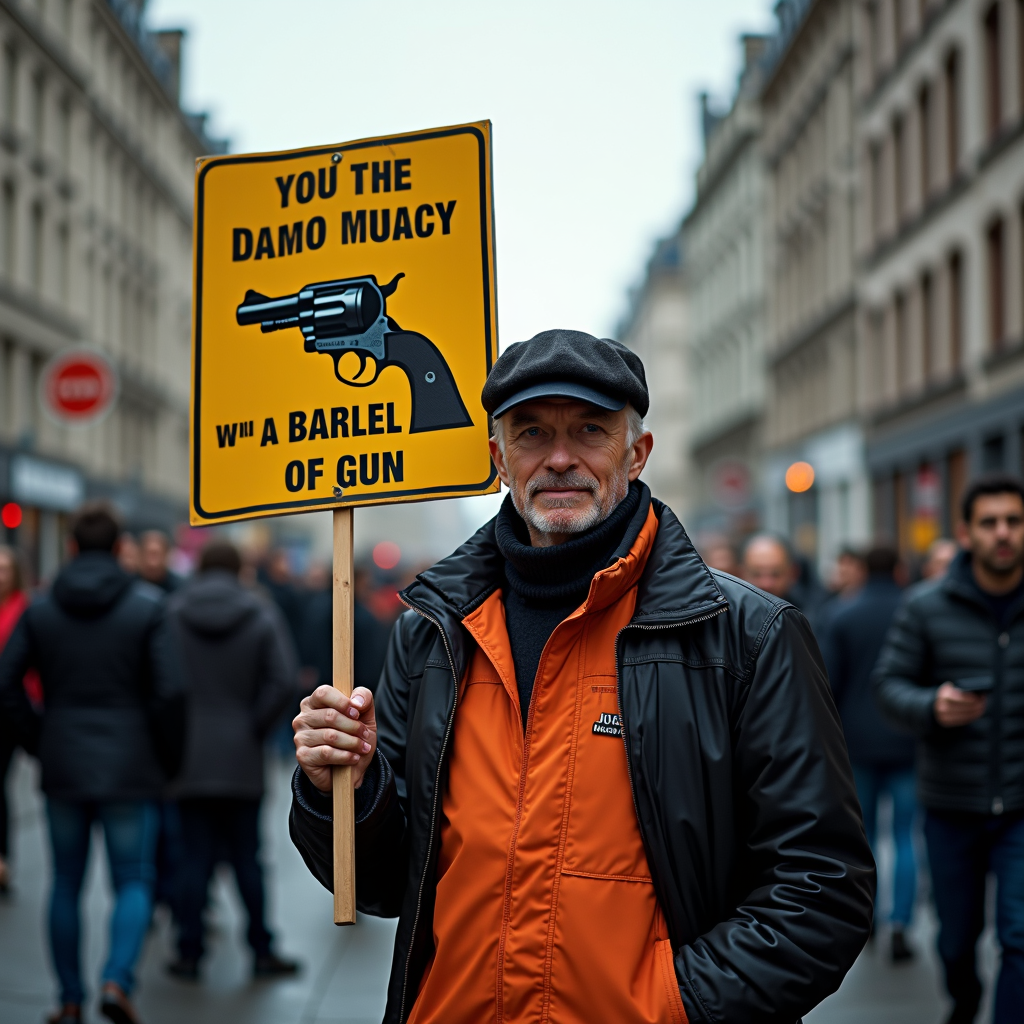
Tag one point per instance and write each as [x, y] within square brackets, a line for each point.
[345, 969]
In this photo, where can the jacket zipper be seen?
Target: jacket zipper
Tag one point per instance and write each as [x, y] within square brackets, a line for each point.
[433, 809]
[622, 714]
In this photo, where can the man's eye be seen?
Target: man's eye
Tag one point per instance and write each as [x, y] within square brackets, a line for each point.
[533, 431]
[591, 428]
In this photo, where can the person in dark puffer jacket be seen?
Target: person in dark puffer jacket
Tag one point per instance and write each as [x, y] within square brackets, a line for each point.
[240, 674]
[952, 672]
[109, 736]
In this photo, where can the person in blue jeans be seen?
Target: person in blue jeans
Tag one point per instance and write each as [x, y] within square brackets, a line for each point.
[109, 736]
[130, 830]
[952, 670]
[882, 759]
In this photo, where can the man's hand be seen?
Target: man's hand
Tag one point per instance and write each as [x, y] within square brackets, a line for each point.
[332, 729]
[957, 707]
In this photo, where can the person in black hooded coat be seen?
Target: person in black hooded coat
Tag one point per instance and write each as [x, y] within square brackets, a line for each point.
[108, 739]
[240, 674]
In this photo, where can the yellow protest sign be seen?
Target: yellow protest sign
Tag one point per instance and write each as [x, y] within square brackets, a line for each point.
[343, 325]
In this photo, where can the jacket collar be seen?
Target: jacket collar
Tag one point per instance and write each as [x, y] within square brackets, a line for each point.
[959, 582]
[675, 586]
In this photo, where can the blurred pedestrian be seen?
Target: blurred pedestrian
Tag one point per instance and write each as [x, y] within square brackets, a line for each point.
[239, 672]
[154, 551]
[940, 556]
[952, 671]
[719, 554]
[370, 639]
[849, 574]
[13, 602]
[109, 736]
[128, 553]
[769, 565]
[883, 759]
[276, 578]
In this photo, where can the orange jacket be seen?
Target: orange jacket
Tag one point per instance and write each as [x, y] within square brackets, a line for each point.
[545, 908]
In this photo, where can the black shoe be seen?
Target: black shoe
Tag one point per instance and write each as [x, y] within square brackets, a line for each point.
[69, 1013]
[962, 1014]
[273, 966]
[901, 952]
[184, 968]
[116, 1006]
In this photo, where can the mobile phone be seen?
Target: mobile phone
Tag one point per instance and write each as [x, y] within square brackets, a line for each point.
[976, 684]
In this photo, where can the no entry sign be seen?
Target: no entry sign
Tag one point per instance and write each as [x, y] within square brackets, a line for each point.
[78, 386]
[343, 325]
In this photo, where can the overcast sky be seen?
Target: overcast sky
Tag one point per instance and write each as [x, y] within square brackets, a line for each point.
[594, 107]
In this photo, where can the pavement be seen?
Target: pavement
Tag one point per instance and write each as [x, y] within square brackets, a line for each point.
[345, 970]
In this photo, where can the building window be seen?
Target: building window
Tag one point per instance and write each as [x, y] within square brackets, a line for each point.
[1020, 56]
[38, 111]
[63, 263]
[956, 311]
[10, 86]
[877, 187]
[36, 248]
[874, 54]
[993, 453]
[952, 77]
[8, 227]
[898, 169]
[996, 284]
[927, 326]
[64, 135]
[924, 120]
[993, 76]
[900, 331]
[956, 483]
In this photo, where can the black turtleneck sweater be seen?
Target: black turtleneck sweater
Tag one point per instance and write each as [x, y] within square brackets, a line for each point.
[546, 585]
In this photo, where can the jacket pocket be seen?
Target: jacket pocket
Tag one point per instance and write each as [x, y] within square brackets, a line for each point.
[667, 970]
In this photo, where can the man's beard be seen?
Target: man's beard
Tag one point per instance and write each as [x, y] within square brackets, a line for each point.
[564, 515]
[1001, 566]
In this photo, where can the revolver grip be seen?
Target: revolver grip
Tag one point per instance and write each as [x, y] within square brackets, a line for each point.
[436, 402]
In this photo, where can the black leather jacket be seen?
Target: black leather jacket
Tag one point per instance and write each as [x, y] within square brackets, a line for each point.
[756, 846]
[945, 631]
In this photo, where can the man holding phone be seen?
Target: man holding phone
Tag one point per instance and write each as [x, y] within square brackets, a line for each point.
[952, 671]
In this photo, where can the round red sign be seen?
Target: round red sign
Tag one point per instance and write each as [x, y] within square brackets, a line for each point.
[78, 386]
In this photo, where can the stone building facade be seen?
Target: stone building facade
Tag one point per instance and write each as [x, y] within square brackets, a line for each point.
[724, 240]
[812, 407]
[655, 328]
[96, 173]
[941, 141]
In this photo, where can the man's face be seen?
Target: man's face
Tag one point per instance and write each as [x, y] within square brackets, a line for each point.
[766, 565]
[153, 558]
[567, 465]
[995, 534]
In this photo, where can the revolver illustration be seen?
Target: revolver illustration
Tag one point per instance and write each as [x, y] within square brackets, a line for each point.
[350, 315]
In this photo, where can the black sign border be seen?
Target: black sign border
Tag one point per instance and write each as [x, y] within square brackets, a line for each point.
[311, 504]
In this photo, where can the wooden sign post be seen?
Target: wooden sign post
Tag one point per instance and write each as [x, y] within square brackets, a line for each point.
[344, 795]
[342, 330]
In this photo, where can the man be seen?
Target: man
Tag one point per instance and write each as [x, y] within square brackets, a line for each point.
[883, 760]
[952, 672]
[940, 556]
[239, 676]
[768, 565]
[597, 781]
[154, 549]
[109, 736]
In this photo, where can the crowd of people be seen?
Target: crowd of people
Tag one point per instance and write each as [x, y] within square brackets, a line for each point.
[149, 699]
[928, 680]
